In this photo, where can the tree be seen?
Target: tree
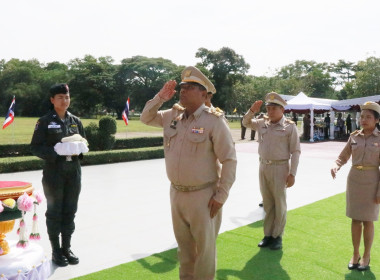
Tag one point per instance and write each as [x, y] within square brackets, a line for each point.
[21, 78]
[367, 80]
[226, 68]
[344, 72]
[92, 83]
[141, 78]
[308, 76]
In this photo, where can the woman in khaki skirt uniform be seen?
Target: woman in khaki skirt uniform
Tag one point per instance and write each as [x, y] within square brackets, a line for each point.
[363, 192]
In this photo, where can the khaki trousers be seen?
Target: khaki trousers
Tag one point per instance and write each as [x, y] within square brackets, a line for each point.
[273, 190]
[195, 233]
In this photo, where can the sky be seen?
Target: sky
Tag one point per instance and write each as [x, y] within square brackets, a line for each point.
[269, 34]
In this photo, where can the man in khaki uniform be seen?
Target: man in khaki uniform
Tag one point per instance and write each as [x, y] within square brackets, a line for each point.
[278, 142]
[195, 139]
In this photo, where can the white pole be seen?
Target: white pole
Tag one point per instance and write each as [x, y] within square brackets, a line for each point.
[332, 127]
[357, 120]
[311, 124]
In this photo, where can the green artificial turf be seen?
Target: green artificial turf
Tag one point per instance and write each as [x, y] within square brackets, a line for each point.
[317, 245]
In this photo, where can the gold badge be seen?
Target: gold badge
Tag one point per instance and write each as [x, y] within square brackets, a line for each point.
[187, 73]
[271, 97]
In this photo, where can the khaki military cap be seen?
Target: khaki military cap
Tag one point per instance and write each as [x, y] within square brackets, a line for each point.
[192, 74]
[273, 98]
[369, 105]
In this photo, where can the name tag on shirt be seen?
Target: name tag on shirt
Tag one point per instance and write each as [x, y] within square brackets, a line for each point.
[54, 126]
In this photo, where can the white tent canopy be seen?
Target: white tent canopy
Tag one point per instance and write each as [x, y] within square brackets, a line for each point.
[348, 103]
[303, 102]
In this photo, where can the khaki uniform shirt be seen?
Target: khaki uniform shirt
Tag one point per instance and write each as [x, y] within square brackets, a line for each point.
[364, 151]
[278, 141]
[193, 145]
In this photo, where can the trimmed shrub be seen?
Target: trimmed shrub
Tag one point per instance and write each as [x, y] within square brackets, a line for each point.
[102, 157]
[15, 150]
[92, 136]
[107, 125]
[17, 164]
[101, 138]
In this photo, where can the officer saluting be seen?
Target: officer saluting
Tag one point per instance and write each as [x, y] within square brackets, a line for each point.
[61, 174]
[196, 139]
[278, 142]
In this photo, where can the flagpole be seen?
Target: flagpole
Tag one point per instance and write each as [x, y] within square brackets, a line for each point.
[13, 124]
[13, 132]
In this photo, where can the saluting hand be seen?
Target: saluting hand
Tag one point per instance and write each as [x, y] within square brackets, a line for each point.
[214, 207]
[168, 90]
[255, 108]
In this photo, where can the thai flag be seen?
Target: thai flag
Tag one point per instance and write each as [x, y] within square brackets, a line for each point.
[11, 114]
[126, 112]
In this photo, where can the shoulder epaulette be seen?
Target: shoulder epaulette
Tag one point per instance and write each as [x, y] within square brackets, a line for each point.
[289, 121]
[178, 107]
[219, 110]
[214, 111]
[355, 132]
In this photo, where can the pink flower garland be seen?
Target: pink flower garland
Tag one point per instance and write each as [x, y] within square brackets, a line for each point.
[25, 203]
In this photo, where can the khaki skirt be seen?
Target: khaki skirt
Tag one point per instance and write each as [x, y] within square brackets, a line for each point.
[361, 194]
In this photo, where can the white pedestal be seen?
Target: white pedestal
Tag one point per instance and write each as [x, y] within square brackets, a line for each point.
[28, 263]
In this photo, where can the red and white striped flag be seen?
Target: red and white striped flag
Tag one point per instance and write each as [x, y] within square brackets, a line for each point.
[11, 114]
[126, 112]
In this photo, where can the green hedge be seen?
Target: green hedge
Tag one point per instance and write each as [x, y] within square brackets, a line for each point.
[15, 150]
[133, 143]
[17, 164]
[21, 150]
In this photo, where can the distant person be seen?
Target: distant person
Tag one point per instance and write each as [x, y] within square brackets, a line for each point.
[253, 133]
[340, 125]
[294, 118]
[363, 193]
[278, 144]
[327, 125]
[209, 104]
[348, 124]
[243, 129]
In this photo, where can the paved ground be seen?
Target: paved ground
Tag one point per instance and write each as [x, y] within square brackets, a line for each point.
[124, 211]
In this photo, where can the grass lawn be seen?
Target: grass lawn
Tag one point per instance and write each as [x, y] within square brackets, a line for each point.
[317, 245]
[21, 130]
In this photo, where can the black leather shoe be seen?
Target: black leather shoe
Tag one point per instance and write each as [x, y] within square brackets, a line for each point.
[364, 267]
[261, 204]
[59, 259]
[267, 240]
[72, 259]
[276, 243]
[352, 266]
